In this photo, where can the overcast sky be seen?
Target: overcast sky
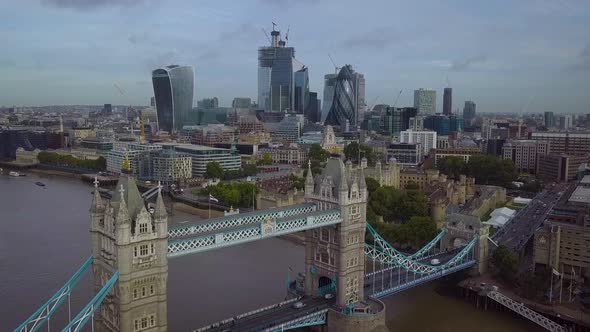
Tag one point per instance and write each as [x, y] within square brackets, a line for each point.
[503, 54]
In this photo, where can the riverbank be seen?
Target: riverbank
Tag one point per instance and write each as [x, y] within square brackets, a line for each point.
[567, 314]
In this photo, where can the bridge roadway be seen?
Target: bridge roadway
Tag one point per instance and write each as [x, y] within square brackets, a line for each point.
[519, 230]
[280, 314]
[275, 316]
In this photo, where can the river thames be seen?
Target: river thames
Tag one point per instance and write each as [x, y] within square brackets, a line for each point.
[44, 238]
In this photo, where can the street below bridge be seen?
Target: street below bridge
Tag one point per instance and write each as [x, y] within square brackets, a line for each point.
[516, 233]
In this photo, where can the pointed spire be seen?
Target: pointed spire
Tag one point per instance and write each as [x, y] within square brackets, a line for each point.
[343, 182]
[122, 213]
[160, 212]
[96, 200]
[363, 182]
[309, 177]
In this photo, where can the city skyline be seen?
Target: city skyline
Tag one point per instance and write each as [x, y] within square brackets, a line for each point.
[69, 52]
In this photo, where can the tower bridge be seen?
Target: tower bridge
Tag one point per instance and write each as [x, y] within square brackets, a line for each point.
[131, 247]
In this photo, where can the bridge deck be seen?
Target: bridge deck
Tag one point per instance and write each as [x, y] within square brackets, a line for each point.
[274, 317]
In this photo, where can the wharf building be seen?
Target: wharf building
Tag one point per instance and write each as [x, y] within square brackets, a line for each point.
[563, 242]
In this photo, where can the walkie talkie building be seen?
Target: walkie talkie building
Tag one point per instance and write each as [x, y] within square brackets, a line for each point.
[173, 91]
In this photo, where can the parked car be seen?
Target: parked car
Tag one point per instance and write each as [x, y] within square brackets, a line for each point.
[434, 261]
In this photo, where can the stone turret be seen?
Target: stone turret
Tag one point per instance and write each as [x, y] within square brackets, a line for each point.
[160, 215]
[309, 184]
[364, 162]
[122, 221]
[343, 188]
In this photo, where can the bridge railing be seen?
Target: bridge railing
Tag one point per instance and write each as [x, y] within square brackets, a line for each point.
[34, 322]
[88, 312]
[240, 220]
[417, 254]
[258, 232]
[247, 314]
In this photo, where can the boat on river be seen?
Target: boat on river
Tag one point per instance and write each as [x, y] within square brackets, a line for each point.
[40, 184]
[13, 173]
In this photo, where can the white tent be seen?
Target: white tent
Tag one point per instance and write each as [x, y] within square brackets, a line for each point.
[522, 201]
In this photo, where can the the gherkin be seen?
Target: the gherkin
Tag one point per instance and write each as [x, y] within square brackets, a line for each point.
[344, 105]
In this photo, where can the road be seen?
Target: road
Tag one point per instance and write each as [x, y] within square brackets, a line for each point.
[275, 316]
[518, 231]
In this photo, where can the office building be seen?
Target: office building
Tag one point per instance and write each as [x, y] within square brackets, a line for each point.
[564, 122]
[107, 109]
[344, 107]
[153, 101]
[549, 120]
[561, 243]
[571, 142]
[135, 153]
[427, 139]
[208, 135]
[289, 129]
[560, 167]
[397, 119]
[463, 153]
[329, 88]
[448, 101]
[406, 154]
[276, 67]
[313, 112]
[525, 154]
[208, 103]
[173, 91]
[425, 101]
[301, 91]
[416, 123]
[170, 167]
[469, 113]
[241, 103]
[443, 124]
[229, 159]
[285, 155]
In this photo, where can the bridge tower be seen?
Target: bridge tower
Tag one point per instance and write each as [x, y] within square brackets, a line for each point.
[334, 255]
[461, 229]
[126, 237]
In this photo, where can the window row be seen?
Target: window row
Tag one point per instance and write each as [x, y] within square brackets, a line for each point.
[145, 322]
[143, 250]
[143, 292]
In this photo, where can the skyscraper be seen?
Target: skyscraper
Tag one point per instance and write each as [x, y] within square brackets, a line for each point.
[301, 91]
[173, 90]
[398, 119]
[469, 112]
[329, 85]
[343, 111]
[276, 66]
[425, 101]
[549, 120]
[313, 110]
[448, 101]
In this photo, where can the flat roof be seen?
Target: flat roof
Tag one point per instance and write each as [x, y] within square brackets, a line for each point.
[193, 147]
[580, 195]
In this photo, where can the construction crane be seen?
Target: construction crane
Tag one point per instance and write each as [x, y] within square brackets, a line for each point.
[335, 67]
[267, 37]
[370, 108]
[287, 34]
[397, 98]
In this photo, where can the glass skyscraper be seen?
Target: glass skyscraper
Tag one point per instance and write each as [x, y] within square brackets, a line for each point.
[344, 98]
[173, 91]
[276, 67]
[301, 102]
[425, 101]
[448, 101]
[469, 112]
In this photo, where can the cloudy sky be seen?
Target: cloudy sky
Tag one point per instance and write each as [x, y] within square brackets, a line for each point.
[503, 54]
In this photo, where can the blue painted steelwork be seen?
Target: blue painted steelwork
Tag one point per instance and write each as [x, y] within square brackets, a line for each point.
[264, 230]
[241, 219]
[423, 279]
[88, 312]
[413, 265]
[34, 322]
[316, 318]
[415, 255]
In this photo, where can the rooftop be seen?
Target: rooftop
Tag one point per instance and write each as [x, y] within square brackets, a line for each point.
[585, 180]
[192, 147]
[580, 195]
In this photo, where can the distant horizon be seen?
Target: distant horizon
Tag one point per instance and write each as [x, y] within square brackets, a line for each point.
[502, 55]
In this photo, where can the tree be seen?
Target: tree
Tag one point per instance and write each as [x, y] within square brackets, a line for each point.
[232, 194]
[297, 182]
[487, 169]
[249, 170]
[505, 263]
[317, 153]
[214, 170]
[452, 166]
[372, 185]
[351, 151]
[266, 159]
